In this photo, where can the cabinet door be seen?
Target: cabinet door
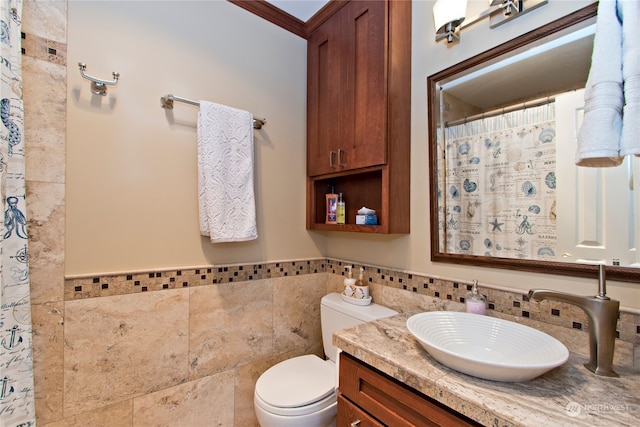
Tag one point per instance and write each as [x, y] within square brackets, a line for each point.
[324, 117]
[365, 95]
[346, 90]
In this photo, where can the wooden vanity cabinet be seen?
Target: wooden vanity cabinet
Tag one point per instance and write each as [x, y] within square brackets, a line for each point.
[376, 399]
[358, 114]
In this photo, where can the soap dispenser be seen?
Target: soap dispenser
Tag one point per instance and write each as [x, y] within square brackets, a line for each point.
[475, 302]
[349, 283]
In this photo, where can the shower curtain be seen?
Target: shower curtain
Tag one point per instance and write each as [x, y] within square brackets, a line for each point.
[16, 368]
[498, 195]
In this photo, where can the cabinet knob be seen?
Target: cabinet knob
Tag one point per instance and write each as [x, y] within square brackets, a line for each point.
[356, 423]
[331, 154]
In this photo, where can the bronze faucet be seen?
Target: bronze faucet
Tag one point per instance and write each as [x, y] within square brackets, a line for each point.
[603, 315]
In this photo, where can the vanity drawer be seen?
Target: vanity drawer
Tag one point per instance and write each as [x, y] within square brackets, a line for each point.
[389, 401]
[350, 415]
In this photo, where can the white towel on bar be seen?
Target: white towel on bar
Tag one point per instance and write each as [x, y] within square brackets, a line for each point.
[599, 135]
[225, 173]
[629, 11]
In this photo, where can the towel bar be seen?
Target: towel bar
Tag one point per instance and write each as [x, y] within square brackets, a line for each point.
[167, 103]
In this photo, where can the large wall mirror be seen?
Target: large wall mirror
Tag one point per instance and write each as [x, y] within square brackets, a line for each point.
[504, 189]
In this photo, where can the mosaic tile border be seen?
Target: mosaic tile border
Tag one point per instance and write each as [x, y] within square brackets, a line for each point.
[44, 49]
[498, 300]
[130, 283]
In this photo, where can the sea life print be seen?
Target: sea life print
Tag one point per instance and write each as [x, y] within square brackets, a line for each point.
[547, 135]
[525, 226]
[469, 186]
[4, 33]
[14, 219]
[528, 189]
[550, 180]
[546, 250]
[14, 131]
[497, 226]
[453, 191]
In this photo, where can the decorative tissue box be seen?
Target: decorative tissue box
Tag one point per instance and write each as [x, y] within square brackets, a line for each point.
[367, 219]
[366, 216]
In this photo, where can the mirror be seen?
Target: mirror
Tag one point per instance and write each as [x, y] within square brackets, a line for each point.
[504, 190]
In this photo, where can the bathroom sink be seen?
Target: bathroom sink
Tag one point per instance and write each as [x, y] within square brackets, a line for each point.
[487, 347]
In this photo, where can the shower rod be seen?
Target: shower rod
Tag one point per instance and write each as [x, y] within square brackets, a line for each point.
[167, 102]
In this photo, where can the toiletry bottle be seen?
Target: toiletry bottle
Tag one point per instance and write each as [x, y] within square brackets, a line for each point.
[332, 206]
[362, 289]
[349, 283]
[340, 210]
[475, 302]
[360, 281]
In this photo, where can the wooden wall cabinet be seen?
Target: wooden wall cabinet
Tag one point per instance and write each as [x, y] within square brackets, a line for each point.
[374, 399]
[358, 114]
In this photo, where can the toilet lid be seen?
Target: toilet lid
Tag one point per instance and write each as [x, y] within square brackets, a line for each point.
[296, 382]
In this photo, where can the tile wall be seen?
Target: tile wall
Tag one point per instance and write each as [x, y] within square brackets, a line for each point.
[212, 331]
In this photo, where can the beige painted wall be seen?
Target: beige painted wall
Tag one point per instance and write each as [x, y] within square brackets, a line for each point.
[131, 165]
[131, 201]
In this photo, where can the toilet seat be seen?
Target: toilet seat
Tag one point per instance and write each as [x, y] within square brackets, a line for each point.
[297, 386]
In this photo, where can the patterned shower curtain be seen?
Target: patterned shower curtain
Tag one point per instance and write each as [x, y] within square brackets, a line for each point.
[498, 197]
[16, 367]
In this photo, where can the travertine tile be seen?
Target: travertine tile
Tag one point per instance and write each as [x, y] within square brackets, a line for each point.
[48, 330]
[124, 346]
[45, 118]
[245, 383]
[45, 213]
[230, 324]
[296, 308]
[207, 402]
[46, 18]
[117, 415]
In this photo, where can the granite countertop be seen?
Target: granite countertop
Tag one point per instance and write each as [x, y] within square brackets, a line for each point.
[569, 395]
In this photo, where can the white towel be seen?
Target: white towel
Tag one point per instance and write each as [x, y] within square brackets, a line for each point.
[629, 11]
[599, 135]
[225, 174]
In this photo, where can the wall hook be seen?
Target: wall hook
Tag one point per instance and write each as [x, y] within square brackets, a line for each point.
[98, 86]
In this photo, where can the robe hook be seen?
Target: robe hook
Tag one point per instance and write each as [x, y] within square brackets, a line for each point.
[98, 86]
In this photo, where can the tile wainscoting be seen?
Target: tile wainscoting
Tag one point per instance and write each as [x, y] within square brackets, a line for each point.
[211, 331]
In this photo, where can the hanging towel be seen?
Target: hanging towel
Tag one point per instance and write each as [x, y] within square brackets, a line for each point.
[629, 11]
[225, 174]
[599, 135]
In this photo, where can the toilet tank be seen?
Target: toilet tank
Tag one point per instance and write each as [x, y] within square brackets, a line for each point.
[337, 314]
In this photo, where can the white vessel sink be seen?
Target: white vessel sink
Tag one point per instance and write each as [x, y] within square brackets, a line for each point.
[487, 347]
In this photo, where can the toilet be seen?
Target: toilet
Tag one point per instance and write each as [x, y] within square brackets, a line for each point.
[301, 391]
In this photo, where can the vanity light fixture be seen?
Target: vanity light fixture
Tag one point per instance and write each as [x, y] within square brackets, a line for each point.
[448, 15]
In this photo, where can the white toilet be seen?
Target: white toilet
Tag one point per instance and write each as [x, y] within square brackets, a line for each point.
[302, 391]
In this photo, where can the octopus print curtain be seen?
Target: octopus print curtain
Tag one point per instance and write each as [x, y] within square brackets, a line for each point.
[499, 188]
[16, 377]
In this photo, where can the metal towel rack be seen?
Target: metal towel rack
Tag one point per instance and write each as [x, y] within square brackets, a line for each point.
[167, 102]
